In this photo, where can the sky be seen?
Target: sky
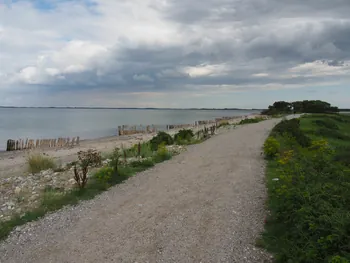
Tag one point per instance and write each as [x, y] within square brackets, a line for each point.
[173, 53]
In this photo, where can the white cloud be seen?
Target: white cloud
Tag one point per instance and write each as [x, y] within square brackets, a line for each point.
[206, 70]
[261, 75]
[148, 45]
[320, 68]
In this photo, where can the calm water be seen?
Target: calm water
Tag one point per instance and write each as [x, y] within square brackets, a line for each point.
[92, 123]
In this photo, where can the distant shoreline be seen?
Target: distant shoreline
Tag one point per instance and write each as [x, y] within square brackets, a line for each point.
[112, 108]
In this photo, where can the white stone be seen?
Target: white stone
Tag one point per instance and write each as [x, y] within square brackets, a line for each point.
[18, 190]
[71, 181]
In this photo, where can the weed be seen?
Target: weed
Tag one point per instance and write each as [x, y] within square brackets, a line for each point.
[38, 162]
[162, 154]
[271, 147]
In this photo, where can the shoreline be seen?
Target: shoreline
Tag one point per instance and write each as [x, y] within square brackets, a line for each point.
[22, 190]
[13, 163]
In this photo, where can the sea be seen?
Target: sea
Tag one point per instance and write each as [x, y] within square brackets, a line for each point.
[50, 123]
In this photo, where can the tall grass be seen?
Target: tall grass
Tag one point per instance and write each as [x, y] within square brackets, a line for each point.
[39, 162]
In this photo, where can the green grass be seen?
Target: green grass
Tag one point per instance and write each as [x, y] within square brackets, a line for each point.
[309, 217]
[38, 162]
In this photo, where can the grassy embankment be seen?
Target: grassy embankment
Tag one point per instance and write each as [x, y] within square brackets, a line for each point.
[308, 180]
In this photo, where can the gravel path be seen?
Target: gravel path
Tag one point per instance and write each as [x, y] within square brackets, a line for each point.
[205, 205]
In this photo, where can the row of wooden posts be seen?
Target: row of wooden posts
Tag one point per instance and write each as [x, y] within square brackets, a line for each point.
[28, 144]
[14, 145]
[140, 129]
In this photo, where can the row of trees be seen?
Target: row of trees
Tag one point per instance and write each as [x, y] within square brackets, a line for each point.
[305, 106]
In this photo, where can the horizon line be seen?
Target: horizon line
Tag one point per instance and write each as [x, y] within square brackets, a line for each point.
[120, 108]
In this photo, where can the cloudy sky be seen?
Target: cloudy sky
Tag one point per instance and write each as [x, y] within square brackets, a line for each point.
[173, 53]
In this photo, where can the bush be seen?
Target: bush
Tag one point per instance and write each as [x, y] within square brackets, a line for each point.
[90, 157]
[38, 162]
[86, 159]
[161, 137]
[183, 135]
[254, 120]
[271, 147]
[162, 154]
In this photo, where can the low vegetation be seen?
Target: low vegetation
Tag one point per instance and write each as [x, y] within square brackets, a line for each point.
[118, 169]
[39, 162]
[185, 137]
[252, 120]
[161, 138]
[308, 179]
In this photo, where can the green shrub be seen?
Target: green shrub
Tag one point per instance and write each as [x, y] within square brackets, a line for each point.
[162, 154]
[254, 120]
[105, 175]
[183, 135]
[271, 147]
[161, 137]
[142, 149]
[38, 162]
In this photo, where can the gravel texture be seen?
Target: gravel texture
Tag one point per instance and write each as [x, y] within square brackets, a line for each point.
[204, 205]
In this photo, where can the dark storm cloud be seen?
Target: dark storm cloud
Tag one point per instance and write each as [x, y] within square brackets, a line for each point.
[266, 36]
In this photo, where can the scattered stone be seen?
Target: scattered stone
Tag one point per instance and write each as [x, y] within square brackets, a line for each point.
[71, 181]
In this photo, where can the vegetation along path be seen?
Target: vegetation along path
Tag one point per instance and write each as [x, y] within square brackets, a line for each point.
[205, 205]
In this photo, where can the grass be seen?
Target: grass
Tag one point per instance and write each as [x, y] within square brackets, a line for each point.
[38, 162]
[309, 217]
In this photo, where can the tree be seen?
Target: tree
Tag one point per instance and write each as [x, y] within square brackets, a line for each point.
[305, 106]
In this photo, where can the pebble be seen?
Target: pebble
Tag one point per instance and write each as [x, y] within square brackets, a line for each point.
[18, 190]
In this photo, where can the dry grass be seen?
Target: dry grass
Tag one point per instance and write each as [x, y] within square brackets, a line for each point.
[39, 162]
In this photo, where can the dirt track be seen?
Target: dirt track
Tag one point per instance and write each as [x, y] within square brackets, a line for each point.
[205, 205]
